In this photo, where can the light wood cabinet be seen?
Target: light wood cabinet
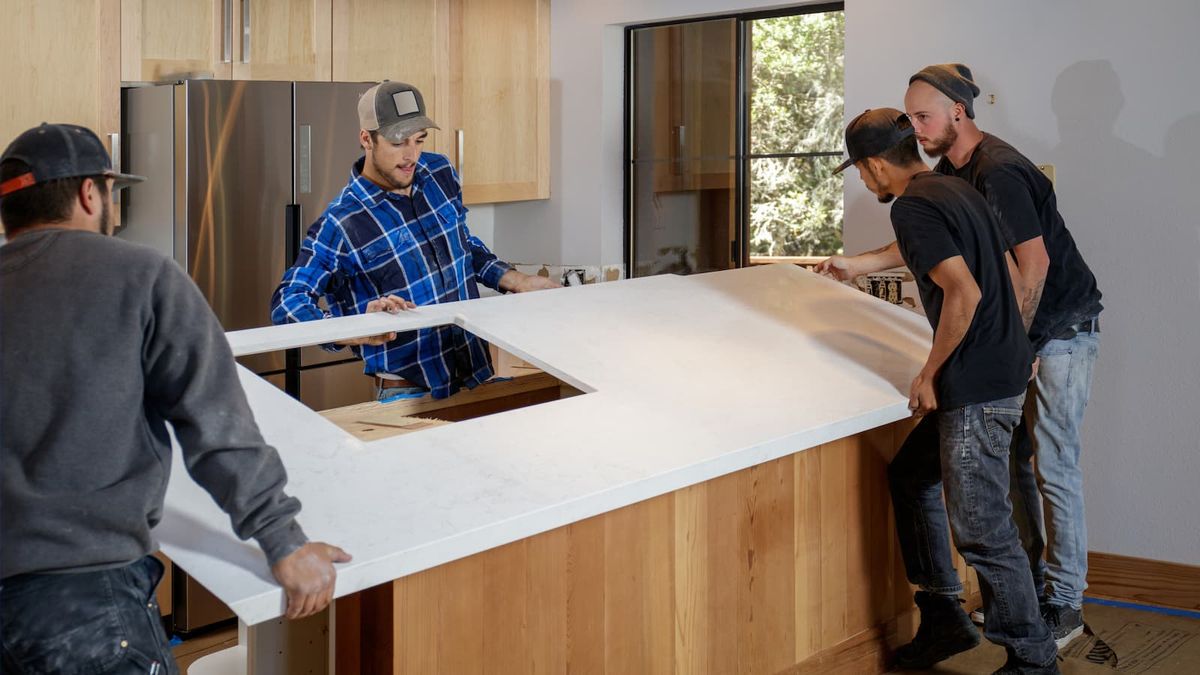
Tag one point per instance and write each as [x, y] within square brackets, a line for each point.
[282, 40]
[500, 98]
[482, 66]
[166, 39]
[63, 65]
[245, 40]
[373, 42]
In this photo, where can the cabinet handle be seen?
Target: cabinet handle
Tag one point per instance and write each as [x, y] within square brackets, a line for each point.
[459, 143]
[227, 41]
[245, 31]
[114, 146]
[678, 167]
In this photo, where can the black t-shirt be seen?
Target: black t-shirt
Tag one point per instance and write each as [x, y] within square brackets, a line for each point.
[938, 218]
[1024, 202]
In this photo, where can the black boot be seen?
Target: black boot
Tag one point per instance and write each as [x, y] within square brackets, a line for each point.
[945, 631]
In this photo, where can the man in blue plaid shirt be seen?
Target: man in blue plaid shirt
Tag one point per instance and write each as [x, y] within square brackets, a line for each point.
[395, 238]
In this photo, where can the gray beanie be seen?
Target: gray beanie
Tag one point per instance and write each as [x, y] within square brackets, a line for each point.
[952, 79]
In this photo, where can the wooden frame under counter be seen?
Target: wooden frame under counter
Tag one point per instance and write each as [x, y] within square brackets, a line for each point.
[787, 566]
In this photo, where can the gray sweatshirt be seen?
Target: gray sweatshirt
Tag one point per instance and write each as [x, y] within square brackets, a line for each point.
[102, 344]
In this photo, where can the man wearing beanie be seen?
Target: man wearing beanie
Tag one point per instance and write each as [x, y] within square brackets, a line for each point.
[1060, 308]
[969, 396]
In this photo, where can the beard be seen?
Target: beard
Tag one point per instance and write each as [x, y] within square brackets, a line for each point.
[386, 175]
[942, 144]
[885, 197]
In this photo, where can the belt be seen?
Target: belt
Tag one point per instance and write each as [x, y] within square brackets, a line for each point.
[1091, 325]
[386, 383]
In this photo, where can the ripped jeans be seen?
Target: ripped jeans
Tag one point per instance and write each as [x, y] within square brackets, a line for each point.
[99, 621]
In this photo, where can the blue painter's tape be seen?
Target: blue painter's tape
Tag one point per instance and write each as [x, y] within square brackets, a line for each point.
[1168, 611]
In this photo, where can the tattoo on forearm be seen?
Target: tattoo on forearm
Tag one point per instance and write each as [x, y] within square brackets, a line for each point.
[1033, 297]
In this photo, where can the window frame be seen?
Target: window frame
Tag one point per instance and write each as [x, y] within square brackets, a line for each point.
[742, 157]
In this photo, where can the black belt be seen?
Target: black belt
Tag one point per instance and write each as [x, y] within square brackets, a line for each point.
[1091, 325]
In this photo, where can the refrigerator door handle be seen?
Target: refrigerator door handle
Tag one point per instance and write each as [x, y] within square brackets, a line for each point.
[227, 41]
[245, 31]
[114, 148]
[292, 218]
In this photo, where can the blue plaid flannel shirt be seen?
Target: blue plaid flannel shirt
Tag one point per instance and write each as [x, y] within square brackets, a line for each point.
[370, 243]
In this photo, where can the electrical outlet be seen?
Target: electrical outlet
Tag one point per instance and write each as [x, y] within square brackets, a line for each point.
[573, 276]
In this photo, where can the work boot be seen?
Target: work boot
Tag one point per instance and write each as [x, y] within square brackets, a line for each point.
[945, 631]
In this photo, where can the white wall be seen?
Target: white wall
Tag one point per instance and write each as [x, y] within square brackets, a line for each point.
[1106, 93]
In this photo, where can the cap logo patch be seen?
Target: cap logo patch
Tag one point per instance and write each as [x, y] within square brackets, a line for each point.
[405, 102]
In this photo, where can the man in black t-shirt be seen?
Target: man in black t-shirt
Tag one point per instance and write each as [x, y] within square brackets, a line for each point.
[969, 394]
[1061, 306]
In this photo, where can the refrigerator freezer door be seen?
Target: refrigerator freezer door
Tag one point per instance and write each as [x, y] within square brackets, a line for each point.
[326, 145]
[239, 180]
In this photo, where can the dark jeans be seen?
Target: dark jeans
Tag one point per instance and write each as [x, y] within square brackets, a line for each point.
[103, 621]
[966, 449]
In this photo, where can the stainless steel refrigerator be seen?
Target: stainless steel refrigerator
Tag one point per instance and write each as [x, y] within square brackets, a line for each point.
[238, 170]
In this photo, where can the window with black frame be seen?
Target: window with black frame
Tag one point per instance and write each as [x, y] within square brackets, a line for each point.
[734, 131]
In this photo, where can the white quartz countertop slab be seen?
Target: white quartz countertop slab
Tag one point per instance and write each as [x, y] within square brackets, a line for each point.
[688, 378]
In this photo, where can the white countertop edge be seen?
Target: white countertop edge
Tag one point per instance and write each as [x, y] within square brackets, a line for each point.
[351, 578]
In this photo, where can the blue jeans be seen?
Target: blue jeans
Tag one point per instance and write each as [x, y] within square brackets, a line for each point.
[966, 451]
[1054, 411]
[389, 394]
[104, 621]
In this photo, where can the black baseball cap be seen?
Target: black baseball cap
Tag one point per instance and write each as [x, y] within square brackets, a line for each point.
[55, 151]
[395, 109]
[873, 132]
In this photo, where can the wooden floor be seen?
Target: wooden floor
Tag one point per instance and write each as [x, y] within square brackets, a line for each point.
[1118, 641]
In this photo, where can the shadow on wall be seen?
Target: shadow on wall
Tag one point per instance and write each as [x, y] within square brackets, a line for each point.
[1133, 216]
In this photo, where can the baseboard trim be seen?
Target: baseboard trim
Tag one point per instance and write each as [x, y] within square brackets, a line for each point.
[869, 651]
[1139, 580]
[866, 652]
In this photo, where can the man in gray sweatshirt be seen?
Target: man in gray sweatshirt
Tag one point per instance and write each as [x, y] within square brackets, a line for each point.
[103, 344]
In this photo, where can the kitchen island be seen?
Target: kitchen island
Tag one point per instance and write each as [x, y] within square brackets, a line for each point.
[714, 501]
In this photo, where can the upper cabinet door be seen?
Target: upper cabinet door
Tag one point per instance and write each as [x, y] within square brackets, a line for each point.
[276, 40]
[374, 42]
[500, 98]
[65, 66]
[174, 39]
